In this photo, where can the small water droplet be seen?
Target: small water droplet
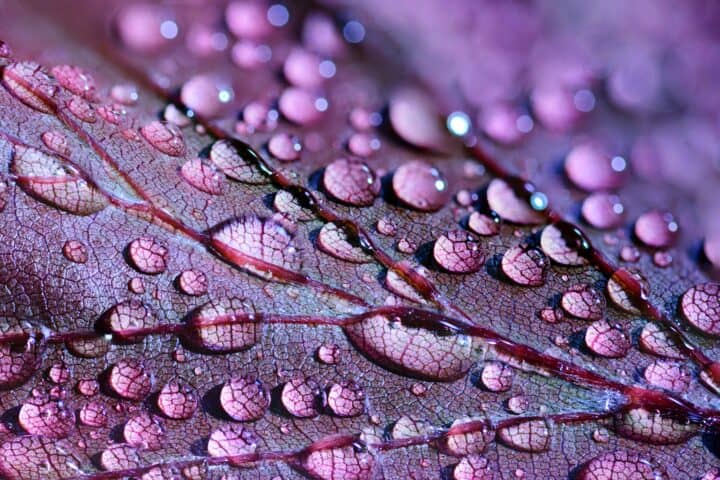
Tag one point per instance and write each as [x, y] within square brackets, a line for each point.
[302, 397]
[603, 210]
[421, 186]
[668, 375]
[497, 377]
[363, 144]
[525, 266]
[119, 456]
[591, 168]
[224, 325]
[301, 106]
[583, 301]
[88, 387]
[630, 254]
[124, 93]
[484, 224]
[205, 95]
[518, 404]
[473, 467]
[328, 353]
[76, 80]
[656, 229]
[192, 282]
[89, 348]
[145, 28]
[662, 259]
[235, 164]
[244, 398]
[607, 340]
[513, 205]
[467, 436]
[59, 373]
[75, 251]
[148, 255]
[504, 124]
[656, 340]
[527, 436]
[56, 141]
[618, 292]
[165, 137]
[415, 118]
[351, 181]
[285, 147]
[203, 176]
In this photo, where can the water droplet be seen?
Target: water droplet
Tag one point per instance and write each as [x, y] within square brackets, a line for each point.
[497, 377]
[459, 252]
[89, 348]
[518, 404]
[485, 225]
[619, 294]
[645, 426]
[700, 305]
[144, 431]
[244, 398]
[302, 69]
[603, 211]
[58, 373]
[41, 416]
[30, 84]
[668, 375]
[656, 340]
[554, 106]
[386, 226]
[148, 255]
[76, 80]
[407, 427]
[711, 249]
[662, 259]
[351, 181]
[82, 110]
[246, 19]
[124, 93]
[556, 247]
[338, 458]
[415, 351]
[353, 32]
[300, 106]
[396, 284]
[527, 436]
[38, 458]
[468, 436]
[328, 353]
[126, 318]
[415, 118]
[510, 205]
[75, 251]
[583, 301]
[205, 95]
[136, 285]
[192, 282]
[289, 205]
[224, 326]
[473, 467]
[406, 246]
[203, 176]
[51, 180]
[525, 266]
[420, 186]
[590, 168]
[177, 400]
[112, 113]
[119, 456]
[607, 340]
[88, 387]
[285, 147]
[620, 465]
[18, 362]
[363, 144]
[129, 379]
[656, 229]
[165, 137]
[234, 164]
[630, 254]
[346, 399]
[334, 240]
[56, 141]
[302, 397]
[504, 123]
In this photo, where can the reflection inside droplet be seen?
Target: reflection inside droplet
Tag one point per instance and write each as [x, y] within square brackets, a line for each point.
[458, 123]
[538, 201]
[278, 15]
[354, 31]
[169, 29]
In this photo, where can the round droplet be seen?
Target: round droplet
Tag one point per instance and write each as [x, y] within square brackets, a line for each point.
[652, 427]
[700, 305]
[203, 176]
[56, 141]
[144, 431]
[590, 168]
[225, 325]
[556, 247]
[497, 377]
[458, 252]
[41, 416]
[656, 340]
[346, 399]
[204, 95]
[236, 164]
[302, 68]
[119, 456]
[129, 379]
[620, 465]
[233, 440]
[630, 254]
[485, 225]
[165, 137]
[656, 229]
[511, 205]
[420, 186]
[59, 373]
[18, 362]
[247, 19]
[127, 320]
[518, 404]
[352, 182]
[363, 144]
[124, 93]
[148, 255]
[620, 295]
[554, 107]
[285, 147]
[504, 124]
[75, 251]
[145, 28]
[76, 80]
[93, 414]
[38, 458]
[192, 282]
[328, 353]
[668, 375]
[473, 467]
[339, 457]
[662, 259]
[88, 387]
[525, 266]
[415, 118]
[334, 240]
[30, 84]
[603, 210]
[301, 397]
[527, 436]
[300, 106]
[386, 226]
[467, 436]
[244, 398]
[583, 301]
[177, 400]
[607, 340]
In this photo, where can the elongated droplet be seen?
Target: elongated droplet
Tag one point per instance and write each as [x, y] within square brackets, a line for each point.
[203, 176]
[643, 425]
[527, 436]
[700, 305]
[165, 137]
[224, 326]
[334, 241]
[234, 164]
[621, 465]
[509, 205]
[31, 84]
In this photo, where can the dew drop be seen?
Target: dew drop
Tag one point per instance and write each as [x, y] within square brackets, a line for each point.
[656, 340]
[205, 95]
[351, 181]
[177, 400]
[41, 416]
[503, 199]
[224, 326]
[226, 157]
[420, 186]
[458, 252]
[38, 458]
[203, 176]
[620, 296]
[247, 19]
[89, 348]
[607, 340]
[136, 285]
[334, 240]
[525, 266]
[192, 282]
[468, 436]
[415, 351]
[244, 398]
[620, 465]
[554, 106]
[82, 110]
[31, 84]
[662, 259]
[497, 377]
[148, 255]
[603, 211]
[51, 180]
[338, 458]
[285, 147]
[485, 225]
[645, 426]
[415, 118]
[113, 113]
[302, 68]
[407, 427]
[556, 247]
[59, 373]
[129, 379]
[3, 194]
[518, 404]
[328, 353]
[396, 284]
[289, 205]
[656, 229]
[711, 249]
[583, 301]
[346, 399]
[124, 93]
[18, 362]
[126, 318]
[300, 106]
[165, 137]
[630, 254]
[700, 305]
[88, 387]
[473, 467]
[406, 246]
[145, 28]
[592, 169]
[119, 456]
[527, 436]
[56, 141]
[386, 226]
[302, 397]
[363, 144]
[144, 431]
[93, 414]
[75, 251]
[668, 375]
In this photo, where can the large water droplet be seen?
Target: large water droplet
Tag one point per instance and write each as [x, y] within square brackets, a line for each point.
[346, 399]
[334, 240]
[301, 106]
[525, 265]
[589, 167]
[233, 163]
[119, 456]
[415, 118]
[51, 180]
[126, 318]
[302, 397]
[30, 84]
[165, 137]
[421, 186]
[583, 301]
[177, 400]
[656, 229]
[93, 414]
[527, 436]
[620, 465]
[244, 398]
[203, 176]
[459, 252]
[338, 458]
[49, 418]
[414, 351]
[224, 326]
[668, 375]
[129, 379]
[603, 210]
[556, 247]
[607, 340]
[38, 458]
[643, 425]
[144, 431]
[148, 255]
[351, 181]
[511, 206]
[700, 305]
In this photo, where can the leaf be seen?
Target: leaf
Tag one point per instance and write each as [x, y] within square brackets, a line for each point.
[235, 247]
